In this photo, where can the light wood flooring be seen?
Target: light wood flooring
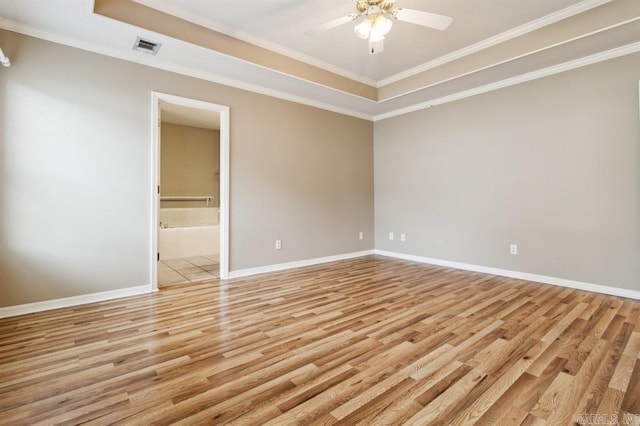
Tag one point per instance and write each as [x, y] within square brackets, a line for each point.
[372, 341]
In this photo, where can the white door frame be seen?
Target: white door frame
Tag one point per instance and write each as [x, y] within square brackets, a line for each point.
[223, 110]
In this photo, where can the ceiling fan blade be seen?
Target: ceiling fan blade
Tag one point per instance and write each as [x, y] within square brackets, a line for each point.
[426, 19]
[331, 24]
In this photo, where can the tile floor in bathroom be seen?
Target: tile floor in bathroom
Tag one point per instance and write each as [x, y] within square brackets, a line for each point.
[190, 269]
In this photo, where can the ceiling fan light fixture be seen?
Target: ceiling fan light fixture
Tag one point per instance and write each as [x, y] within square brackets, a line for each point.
[375, 37]
[363, 29]
[376, 21]
[381, 26]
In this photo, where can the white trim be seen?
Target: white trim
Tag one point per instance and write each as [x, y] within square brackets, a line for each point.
[504, 61]
[523, 78]
[255, 40]
[297, 264]
[596, 288]
[29, 308]
[554, 17]
[497, 39]
[154, 181]
[223, 110]
[225, 170]
[155, 62]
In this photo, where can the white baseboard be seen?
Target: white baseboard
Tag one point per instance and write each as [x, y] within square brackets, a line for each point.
[298, 264]
[597, 288]
[28, 308]
[46, 305]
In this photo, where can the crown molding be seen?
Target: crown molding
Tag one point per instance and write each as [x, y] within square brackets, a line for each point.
[154, 62]
[534, 75]
[255, 40]
[492, 41]
[573, 10]
[507, 60]
[140, 16]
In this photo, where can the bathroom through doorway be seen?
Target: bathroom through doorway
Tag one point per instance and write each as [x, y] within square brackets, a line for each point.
[190, 202]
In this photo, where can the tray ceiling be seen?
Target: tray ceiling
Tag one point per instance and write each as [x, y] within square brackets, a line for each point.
[261, 46]
[280, 25]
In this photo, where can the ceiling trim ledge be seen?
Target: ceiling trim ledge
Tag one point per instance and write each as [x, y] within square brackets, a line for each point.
[594, 21]
[497, 39]
[258, 41]
[139, 15]
[154, 62]
[523, 78]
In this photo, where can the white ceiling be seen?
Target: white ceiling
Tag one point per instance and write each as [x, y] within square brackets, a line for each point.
[280, 25]
[186, 116]
[491, 44]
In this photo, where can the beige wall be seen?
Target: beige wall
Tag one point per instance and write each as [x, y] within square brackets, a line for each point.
[190, 164]
[75, 167]
[552, 165]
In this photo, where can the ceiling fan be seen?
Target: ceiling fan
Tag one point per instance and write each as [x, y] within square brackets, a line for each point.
[376, 23]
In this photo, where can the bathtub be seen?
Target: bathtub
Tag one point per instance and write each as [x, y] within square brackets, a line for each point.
[188, 232]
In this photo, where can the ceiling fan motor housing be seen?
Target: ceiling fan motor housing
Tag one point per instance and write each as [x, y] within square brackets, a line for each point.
[379, 6]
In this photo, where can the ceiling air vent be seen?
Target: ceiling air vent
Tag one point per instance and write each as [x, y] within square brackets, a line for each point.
[146, 46]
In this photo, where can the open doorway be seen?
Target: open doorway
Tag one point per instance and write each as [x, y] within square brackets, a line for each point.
[190, 190]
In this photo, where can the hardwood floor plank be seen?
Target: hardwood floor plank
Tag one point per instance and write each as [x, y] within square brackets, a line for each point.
[371, 341]
[631, 402]
[578, 386]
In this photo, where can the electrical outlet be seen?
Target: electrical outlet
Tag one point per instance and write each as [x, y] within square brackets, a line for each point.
[391, 236]
[278, 244]
[361, 235]
[403, 237]
[513, 249]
